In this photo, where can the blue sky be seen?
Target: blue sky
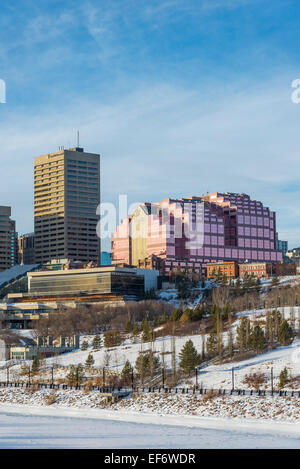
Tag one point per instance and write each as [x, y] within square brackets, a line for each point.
[180, 97]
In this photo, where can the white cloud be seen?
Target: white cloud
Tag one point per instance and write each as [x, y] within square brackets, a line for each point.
[163, 140]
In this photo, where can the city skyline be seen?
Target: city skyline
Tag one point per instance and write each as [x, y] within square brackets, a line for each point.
[191, 101]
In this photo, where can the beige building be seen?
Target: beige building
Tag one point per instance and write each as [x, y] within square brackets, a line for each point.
[8, 240]
[15, 347]
[66, 196]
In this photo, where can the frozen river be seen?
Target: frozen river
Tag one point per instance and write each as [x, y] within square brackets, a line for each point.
[57, 428]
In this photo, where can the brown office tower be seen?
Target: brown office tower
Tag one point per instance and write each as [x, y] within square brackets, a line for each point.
[8, 239]
[26, 249]
[66, 196]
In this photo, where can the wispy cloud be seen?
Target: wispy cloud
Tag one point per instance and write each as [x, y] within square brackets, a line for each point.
[178, 97]
[165, 141]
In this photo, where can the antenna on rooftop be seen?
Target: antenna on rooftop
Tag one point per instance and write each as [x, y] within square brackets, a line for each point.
[77, 138]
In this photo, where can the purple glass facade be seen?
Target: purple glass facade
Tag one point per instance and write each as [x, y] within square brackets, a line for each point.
[235, 228]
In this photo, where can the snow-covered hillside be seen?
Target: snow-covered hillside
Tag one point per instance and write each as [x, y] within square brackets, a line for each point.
[211, 375]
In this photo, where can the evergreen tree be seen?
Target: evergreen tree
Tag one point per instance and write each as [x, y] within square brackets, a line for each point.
[146, 337]
[292, 320]
[277, 320]
[128, 326]
[183, 285]
[224, 280]
[135, 333]
[246, 281]
[36, 364]
[112, 339]
[176, 314]
[269, 328]
[230, 335]
[146, 363]
[153, 363]
[283, 377]
[211, 344]
[285, 333]
[189, 357]
[97, 342]
[243, 334]
[198, 312]
[162, 319]
[84, 345]
[257, 339]
[220, 337]
[218, 275]
[237, 287]
[76, 374]
[173, 353]
[89, 361]
[126, 372]
[252, 281]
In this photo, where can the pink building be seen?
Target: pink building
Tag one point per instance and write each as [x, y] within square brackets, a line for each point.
[192, 231]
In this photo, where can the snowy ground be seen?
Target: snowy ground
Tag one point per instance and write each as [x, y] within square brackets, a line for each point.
[170, 295]
[28, 427]
[220, 376]
[285, 409]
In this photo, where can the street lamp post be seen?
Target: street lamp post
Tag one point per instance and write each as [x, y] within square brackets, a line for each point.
[272, 388]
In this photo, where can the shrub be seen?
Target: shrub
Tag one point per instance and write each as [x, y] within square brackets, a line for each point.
[51, 398]
[255, 380]
[211, 394]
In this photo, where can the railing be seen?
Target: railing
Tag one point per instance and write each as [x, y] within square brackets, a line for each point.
[154, 389]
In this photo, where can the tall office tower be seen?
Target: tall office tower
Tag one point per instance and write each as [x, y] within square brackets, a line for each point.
[8, 239]
[26, 249]
[66, 196]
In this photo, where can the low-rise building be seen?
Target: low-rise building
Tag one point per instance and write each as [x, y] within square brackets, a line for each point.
[92, 282]
[265, 269]
[16, 347]
[227, 269]
[49, 290]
